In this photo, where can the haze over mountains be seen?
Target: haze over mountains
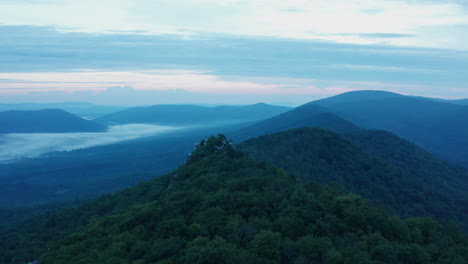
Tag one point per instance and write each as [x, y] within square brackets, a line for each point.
[132, 159]
[302, 116]
[192, 114]
[440, 127]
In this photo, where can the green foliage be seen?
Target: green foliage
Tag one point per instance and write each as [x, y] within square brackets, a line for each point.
[397, 175]
[224, 207]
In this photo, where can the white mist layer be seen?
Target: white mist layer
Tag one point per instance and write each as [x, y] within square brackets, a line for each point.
[17, 146]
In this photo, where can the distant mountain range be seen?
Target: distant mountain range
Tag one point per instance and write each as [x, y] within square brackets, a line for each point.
[46, 121]
[302, 116]
[461, 101]
[439, 127]
[192, 114]
[82, 109]
[146, 158]
[452, 101]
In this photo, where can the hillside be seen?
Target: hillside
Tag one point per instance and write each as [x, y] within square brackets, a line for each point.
[303, 116]
[439, 127]
[324, 157]
[46, 121]
[411, 159]
[224, 207]
[192, 114]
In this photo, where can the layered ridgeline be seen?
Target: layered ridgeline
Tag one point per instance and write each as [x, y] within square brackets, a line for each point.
[302, 116]
[224, 207]
[82, 109]
[404, 178]
[410, 158]
[192, 114]
[437, 126]
[46, 121]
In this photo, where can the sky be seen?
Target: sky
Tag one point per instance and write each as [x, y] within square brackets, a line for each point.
[142, 52]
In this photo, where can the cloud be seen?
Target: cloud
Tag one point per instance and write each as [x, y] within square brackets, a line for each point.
[55, 66]
[374, 35]
[17, 146]
[384, 68]
[313, 19]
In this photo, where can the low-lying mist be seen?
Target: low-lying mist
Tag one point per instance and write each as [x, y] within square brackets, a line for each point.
[17, 146]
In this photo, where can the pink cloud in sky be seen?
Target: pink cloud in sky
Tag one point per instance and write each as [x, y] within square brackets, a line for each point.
[70, 85]
[192, 81]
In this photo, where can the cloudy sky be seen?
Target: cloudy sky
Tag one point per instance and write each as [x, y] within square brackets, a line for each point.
[229, 51]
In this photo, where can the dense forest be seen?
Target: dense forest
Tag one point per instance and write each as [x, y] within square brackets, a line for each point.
[224, 207]
[415, 186]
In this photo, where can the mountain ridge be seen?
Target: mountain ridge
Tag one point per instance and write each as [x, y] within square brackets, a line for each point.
[322, 156]
[439, 127]
[192, 114]
[45, 121]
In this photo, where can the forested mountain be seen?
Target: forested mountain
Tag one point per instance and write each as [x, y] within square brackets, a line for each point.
[322, 156]
[410, 158]
[302, 116]
[224, 207]
[46, 121]
[439, 127]
[192, 114]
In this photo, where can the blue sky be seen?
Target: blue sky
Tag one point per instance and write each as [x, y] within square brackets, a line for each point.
[229, 51]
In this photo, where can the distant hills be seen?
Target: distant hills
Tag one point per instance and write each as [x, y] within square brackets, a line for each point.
[81, 109]
[224, 207]
[192, 114]
[452, 101]
[46, 121]
[302, 116]
[399, 175]
[461, 101]
[439, 127]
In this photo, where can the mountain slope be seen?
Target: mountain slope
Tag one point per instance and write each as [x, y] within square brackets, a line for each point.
[411, 159]
[192, 114]
[303, 116]
[223, 207]
[45, 121]
[441, 128]
[324, 157]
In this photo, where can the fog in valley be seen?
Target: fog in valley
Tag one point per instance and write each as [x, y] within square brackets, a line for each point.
[17, 146]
